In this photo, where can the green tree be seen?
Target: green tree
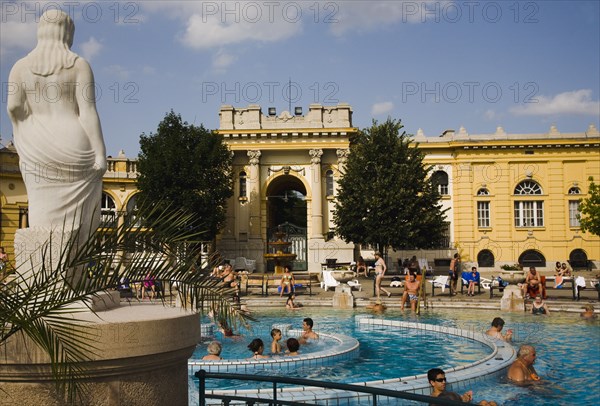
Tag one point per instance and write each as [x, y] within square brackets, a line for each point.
[385, 197]
[589, 209]
[189, 167]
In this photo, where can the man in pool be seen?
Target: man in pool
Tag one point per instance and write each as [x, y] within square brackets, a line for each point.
[308, 333]
[437, 380]
[522, 370]
[496, 330]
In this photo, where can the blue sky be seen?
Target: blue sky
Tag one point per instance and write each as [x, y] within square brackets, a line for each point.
[436, 65]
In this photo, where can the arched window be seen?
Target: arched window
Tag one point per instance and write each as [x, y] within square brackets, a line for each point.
[243, 189]
[132, 210]
[485, 259]
[532, 258]
[574, 207]
[578, 258]
[108, 211]
[483, 210]
[440, 180]
[329, 183]
[528, 187]
[529, 213]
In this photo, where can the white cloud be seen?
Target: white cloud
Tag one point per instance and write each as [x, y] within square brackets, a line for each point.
[90, 48]
[577, 102]
[120, 72]
[222, 60]
[381, 108]
[202, 32]
[216, 24]
[17, 36]
[148, 70]
[490, 114]
[367, 15]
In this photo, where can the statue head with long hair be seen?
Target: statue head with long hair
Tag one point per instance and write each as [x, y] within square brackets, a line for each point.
[55, 37]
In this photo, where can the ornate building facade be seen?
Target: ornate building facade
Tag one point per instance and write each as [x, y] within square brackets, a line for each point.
[510, 197]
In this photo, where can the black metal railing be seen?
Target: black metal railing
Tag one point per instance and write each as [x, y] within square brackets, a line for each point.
[372, 392]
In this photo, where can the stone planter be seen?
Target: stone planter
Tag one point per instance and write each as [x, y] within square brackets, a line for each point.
[512, 277]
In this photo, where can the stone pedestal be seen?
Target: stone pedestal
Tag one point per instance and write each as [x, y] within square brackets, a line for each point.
[512, 299]
[343, 298]
[140, 359]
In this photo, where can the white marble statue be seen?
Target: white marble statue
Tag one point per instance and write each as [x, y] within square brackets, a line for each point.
[57, 130]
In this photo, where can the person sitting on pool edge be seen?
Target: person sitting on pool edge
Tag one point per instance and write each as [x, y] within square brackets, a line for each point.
[496, 330]
[214, 349]
[522, 370]
[411, 292]
[292, 346]
[437, 380]
[290, 304]
[308, 333]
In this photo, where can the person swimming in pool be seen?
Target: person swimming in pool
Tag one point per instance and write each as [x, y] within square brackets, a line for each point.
[522, 370]
[496, 330]
[308, 333]
[437, 380]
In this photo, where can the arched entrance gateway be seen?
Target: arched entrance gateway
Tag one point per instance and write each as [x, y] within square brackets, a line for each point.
[287, 217]
[285, 168]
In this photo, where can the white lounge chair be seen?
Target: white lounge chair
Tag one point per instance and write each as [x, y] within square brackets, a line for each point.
[328, 281]
[243, 264]
[355, 284]
[440, 282]
[424, 264]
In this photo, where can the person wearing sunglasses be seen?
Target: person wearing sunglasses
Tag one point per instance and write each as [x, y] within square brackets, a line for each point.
[437, 380]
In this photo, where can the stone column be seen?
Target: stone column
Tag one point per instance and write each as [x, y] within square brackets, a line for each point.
[255, 243]
[317, 194]
[253, 183]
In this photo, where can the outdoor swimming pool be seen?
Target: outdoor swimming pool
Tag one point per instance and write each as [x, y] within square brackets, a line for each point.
[568, 351]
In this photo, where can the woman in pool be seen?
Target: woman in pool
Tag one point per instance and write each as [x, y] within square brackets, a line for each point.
[287, 281]
[539, 306]
[257, 347]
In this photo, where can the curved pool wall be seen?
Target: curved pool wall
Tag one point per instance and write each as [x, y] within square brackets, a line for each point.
[342, 348]
[459, 378]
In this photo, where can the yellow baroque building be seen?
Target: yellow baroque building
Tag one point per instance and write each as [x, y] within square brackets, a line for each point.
[510, 197]
[515, 197]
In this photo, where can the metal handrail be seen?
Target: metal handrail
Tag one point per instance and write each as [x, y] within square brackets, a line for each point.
[202, 375]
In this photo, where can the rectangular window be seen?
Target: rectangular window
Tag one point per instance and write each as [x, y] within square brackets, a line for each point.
[483, 214]
[529, 214]
[573, 213]
[443, 190]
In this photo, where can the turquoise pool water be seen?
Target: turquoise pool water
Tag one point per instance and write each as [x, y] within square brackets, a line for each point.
[568, 351]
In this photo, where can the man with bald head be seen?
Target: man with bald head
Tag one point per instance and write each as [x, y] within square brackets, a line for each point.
[522, 370]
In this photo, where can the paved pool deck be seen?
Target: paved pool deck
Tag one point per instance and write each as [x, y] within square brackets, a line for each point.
[557, 299]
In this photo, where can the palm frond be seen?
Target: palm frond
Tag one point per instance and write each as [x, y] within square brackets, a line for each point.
[43, 302]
